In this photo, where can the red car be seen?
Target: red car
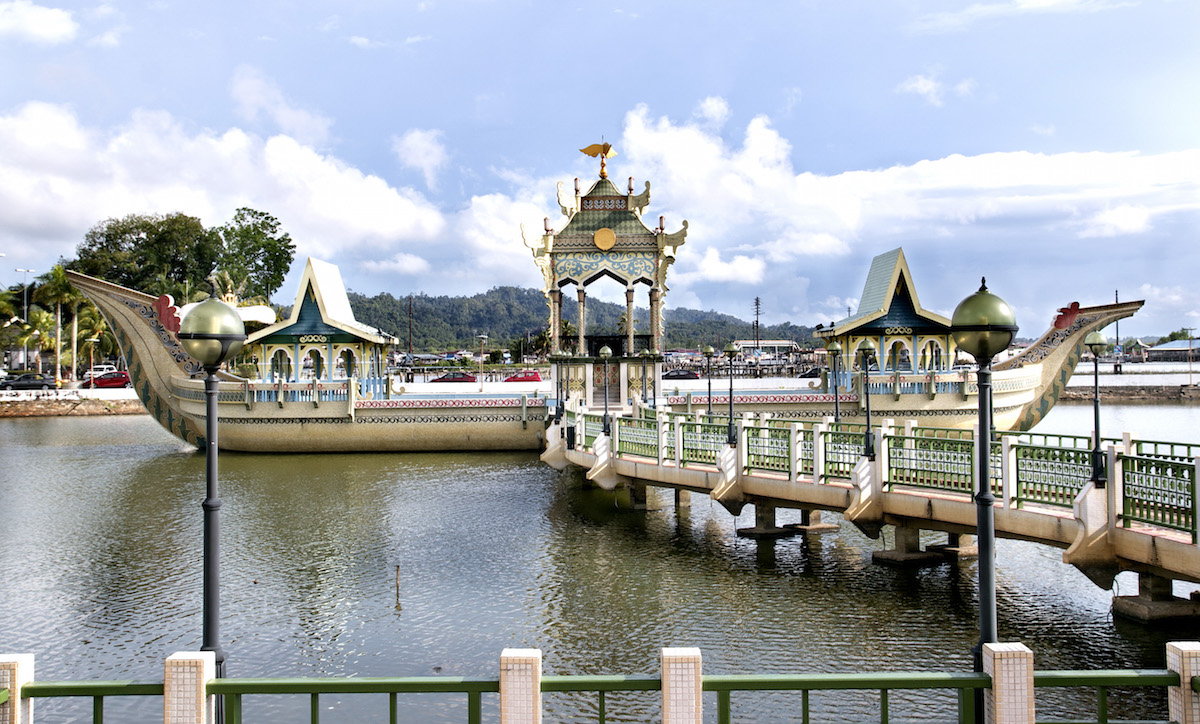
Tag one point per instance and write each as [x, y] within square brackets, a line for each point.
[109, 379]
[524, 376]
[455, 377]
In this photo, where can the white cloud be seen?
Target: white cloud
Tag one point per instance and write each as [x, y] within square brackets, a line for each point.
[423, 150]
[1122, 220]
[414, 39]
[713, 112]
[26, 21]
[942, 22]
[402, 263]
[110, 38]
[255, 94]
[1043, 129]
[926, 86]
[359, 41]
[739, 269]
[58, 178]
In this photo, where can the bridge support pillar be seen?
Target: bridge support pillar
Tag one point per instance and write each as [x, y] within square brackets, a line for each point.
[957, 546]
[810, 522]
[907, 550]
[641, 497]
[683, 498]
[764, 524]
[1156, 601]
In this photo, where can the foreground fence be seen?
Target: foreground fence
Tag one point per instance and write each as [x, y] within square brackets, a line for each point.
[678, 695]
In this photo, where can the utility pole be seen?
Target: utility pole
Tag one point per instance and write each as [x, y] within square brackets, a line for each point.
[1119, 350]
[410, 351]
[1189, 353]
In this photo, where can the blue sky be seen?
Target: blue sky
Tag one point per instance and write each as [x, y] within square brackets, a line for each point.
[1051, 145]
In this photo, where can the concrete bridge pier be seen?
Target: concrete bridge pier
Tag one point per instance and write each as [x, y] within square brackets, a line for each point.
[957, 546]
[764, 524]
[906, 550]
[683, 498]
[810, 522]
[1155, 601]
[641, 496]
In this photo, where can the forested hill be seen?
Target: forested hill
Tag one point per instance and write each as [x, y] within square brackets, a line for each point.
[507, 314]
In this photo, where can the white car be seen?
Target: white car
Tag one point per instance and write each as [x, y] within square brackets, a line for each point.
[98, 370]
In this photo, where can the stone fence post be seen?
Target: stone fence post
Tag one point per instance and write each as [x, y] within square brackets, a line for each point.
[1010, 698]
[16, 670]
[521, 686]
[185, 687]
[1183, 704]
[681, 686]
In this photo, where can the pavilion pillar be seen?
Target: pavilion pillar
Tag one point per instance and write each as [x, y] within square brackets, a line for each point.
[582, 317]
[655, 327]
[628, 321]
[555, 319]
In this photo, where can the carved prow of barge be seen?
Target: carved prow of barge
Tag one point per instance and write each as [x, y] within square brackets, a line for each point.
[1059, 351]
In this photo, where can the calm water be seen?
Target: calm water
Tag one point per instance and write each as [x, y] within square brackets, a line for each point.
[427, 564]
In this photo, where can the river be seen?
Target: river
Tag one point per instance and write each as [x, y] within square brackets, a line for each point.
[430, 564]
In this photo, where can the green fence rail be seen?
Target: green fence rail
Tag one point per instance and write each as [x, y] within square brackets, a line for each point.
[702, 442]
[1050, 475]
[1160, 492]
[842, 451]
[98, 691]
[942, 463]
[769, 449]
[962, 685]
[637, 436]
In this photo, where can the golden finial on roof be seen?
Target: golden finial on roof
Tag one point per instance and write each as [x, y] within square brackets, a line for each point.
[603, 150]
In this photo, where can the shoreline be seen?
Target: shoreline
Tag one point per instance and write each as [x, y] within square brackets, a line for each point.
[86, 403]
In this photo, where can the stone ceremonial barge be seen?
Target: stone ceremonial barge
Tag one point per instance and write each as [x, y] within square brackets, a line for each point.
[320, 382]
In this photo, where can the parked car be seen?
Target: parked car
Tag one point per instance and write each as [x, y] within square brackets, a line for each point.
[681, 374]
[29, 381]
[525, 376]
[811, 373]
[455, 377]
[97, 370]
[109, 379]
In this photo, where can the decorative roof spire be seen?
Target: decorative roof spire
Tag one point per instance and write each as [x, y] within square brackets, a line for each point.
[603, 150]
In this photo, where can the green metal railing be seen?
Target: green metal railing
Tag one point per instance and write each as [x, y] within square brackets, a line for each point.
[702, 442]
[474, 688]
[96, 690]
[637, 436]
[769, 449]
[1050, 475]
[1160, 492]
[1159, 449]
[961, 684]
[843, 448]
[942, 463]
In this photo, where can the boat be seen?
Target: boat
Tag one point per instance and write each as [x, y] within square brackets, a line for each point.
[369, 413]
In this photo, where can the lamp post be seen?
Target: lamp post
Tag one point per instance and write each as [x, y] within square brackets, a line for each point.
[91, 361]
[834, 349]
[731, 350]
[482, 339]
[983, 325]
[25, 314]
[1096, 343]
[655, 358]
[605, 353]
[708, 355]
[866, 349]
[556, 360]
[212, 333]
[642, 356]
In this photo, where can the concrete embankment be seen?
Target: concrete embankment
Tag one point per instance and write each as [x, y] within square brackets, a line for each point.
[1135, 393]
[66, 403]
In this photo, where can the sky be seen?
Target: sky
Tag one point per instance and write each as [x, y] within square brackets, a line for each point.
[1052, 146]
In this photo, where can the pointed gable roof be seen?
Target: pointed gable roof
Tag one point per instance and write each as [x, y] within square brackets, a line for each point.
[321, 308]
[889, 299]
[604, 206]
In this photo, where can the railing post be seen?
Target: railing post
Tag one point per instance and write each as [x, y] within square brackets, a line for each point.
[185, 687]
[661, 422]
[1008, 470]
[16, 670]
[819, 431]
[521, 686]
[1183, 704]
[1010, 698]
[793, 451]
[681, 691]
[887, 429]
[679, 441]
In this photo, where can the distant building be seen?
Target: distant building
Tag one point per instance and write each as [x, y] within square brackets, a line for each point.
[1177, 351]
[768, 349]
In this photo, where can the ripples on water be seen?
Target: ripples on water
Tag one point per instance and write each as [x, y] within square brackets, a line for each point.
[427, 564]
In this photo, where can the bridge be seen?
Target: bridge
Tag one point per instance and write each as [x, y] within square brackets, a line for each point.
[1140, 516]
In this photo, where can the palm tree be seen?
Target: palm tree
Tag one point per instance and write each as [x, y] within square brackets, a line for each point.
[92, 325]
[37, 332]
[55, 288]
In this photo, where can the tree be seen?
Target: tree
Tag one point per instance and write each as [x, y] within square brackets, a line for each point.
[253, 249]
[93, 325]
[54, 288]
[151, 253]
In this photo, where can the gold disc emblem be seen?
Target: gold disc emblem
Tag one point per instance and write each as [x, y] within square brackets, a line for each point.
[604, 239]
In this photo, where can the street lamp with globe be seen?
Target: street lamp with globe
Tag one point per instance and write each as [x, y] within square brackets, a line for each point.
[211, 334]
[1097, 344]
[983, 326]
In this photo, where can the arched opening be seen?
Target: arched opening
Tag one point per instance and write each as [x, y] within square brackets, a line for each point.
[314, 365]
[345, 365]
[898, 357]
[932, 356]
[281, 366]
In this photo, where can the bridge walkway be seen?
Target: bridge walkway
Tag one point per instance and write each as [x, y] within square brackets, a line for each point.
[1141, 517]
